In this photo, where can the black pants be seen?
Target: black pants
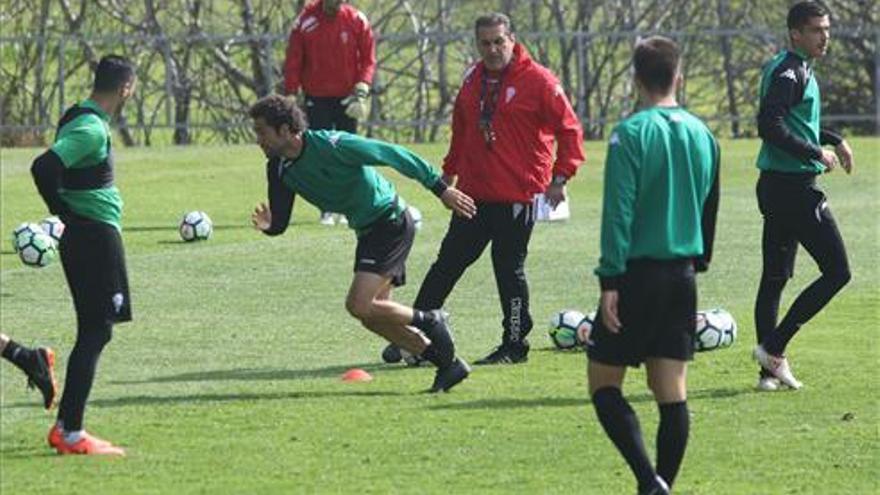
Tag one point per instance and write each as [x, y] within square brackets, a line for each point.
[328, 113]
[795, 212]
[94, 265]
[508, 227]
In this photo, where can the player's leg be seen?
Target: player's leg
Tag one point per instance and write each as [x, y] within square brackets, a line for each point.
[511, 230]
[667, 380]
[369, 301]
[37, 364]
[818, 233]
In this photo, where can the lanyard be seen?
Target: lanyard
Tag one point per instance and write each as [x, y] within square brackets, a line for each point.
[488, 105]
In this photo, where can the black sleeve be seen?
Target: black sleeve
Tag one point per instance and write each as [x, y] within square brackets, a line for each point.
[47, 170]
[785, 91]
[280, 200]
[710, 215]
[828, 136]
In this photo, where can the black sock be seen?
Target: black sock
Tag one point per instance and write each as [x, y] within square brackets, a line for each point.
[672, 437]
[622, 426]
[19, 355]
[422, 318]
[81, 367]
[441, 351]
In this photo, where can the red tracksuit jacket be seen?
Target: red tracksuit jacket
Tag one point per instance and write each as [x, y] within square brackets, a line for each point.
[531, 112]
[327, 56]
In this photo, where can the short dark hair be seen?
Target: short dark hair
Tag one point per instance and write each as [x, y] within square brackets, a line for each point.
[656, 61]
[112, 72]
[279, 110]
[800, 14]
[492, 20]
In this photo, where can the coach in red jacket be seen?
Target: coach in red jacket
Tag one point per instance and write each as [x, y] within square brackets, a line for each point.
[331, 56]
[509, 114]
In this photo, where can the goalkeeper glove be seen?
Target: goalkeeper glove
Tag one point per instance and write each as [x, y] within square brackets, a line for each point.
[357, 104]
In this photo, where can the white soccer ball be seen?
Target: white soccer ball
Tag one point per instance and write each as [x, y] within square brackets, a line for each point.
[54, 227]
[22, 234]
[563, 328]
[411, 359]
[716, 329]
[196, 226]
[35, 248]
[416, 216]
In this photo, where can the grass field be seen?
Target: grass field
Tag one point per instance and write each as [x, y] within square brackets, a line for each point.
[228, 379]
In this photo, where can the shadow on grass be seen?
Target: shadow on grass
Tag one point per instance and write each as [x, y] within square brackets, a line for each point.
[251, 374]
[508, 403]
[173, 227]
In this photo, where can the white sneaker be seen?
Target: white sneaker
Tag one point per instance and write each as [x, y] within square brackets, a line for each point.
[327, 219]
[341, 219]
[768, 384]
[777, 365]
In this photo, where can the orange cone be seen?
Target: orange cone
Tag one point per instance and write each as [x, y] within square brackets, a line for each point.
[356, 375]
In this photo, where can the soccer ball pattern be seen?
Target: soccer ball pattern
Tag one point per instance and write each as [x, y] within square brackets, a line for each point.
[196, 226]
[54, 227]
[563, 328]
[36, 248]
[22, 234]
[716, 329]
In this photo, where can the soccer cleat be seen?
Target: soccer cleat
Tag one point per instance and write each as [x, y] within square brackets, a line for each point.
[768, 384]
[450, 376]
[504, 354]
[391, 354]
[41, 375]
[89, 445]
[327, 219]
[56, 436]
[777, 365]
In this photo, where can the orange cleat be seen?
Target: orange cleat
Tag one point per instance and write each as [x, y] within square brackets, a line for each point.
[55, 436]
[89, 445]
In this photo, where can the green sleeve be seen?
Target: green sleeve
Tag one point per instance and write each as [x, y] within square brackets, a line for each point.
[357, 151]
[618, 204]
[85, 137]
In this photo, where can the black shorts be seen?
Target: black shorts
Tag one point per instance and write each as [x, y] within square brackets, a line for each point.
[94, 264]
[384, 248]
[657, 307]
[327, 112]
[796, 211]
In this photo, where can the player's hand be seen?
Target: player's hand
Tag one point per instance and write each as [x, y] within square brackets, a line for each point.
[845, 155]
[829, 159]
[261, 218]
[555, 194]
[459, 202]
[357, 104]
[608, 308]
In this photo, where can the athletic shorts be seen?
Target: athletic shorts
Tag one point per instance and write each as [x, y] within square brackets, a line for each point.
[384, 248]
[657, 306]
[328, 112]
[94, 264]
[796, 212]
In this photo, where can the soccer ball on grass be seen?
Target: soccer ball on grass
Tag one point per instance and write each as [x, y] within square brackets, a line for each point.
[196, 226]
[715, 329]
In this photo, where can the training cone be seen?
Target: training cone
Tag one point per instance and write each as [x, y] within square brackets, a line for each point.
[356, 375]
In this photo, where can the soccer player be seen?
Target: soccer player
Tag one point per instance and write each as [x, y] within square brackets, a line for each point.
[331, 57]
[37, 364]
[658, 222]
[334, 170]
[794, 208]
[75, 179]
[514, 135]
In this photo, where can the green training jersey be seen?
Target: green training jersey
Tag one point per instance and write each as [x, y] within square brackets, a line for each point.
[661, 166]
[789, 116]
[335, 172]
[81, 143]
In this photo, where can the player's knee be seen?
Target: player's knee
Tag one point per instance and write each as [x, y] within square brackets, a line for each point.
[359, 308]
[839, 278]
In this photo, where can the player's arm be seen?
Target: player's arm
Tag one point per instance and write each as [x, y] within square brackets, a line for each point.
[710, 216]
[366, 50]
[85, 138]
[273, 219]
[785, 90]
[841, 147]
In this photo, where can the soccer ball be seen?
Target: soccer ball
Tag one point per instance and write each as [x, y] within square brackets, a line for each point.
[716, 329]
[563, 328]
[412, 359]
[196, 226]
[22, 234]
[54, 227]
[584, 328]
[35, 247]
[416, 216]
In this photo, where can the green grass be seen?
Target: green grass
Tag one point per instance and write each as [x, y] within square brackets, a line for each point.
[228, 379]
